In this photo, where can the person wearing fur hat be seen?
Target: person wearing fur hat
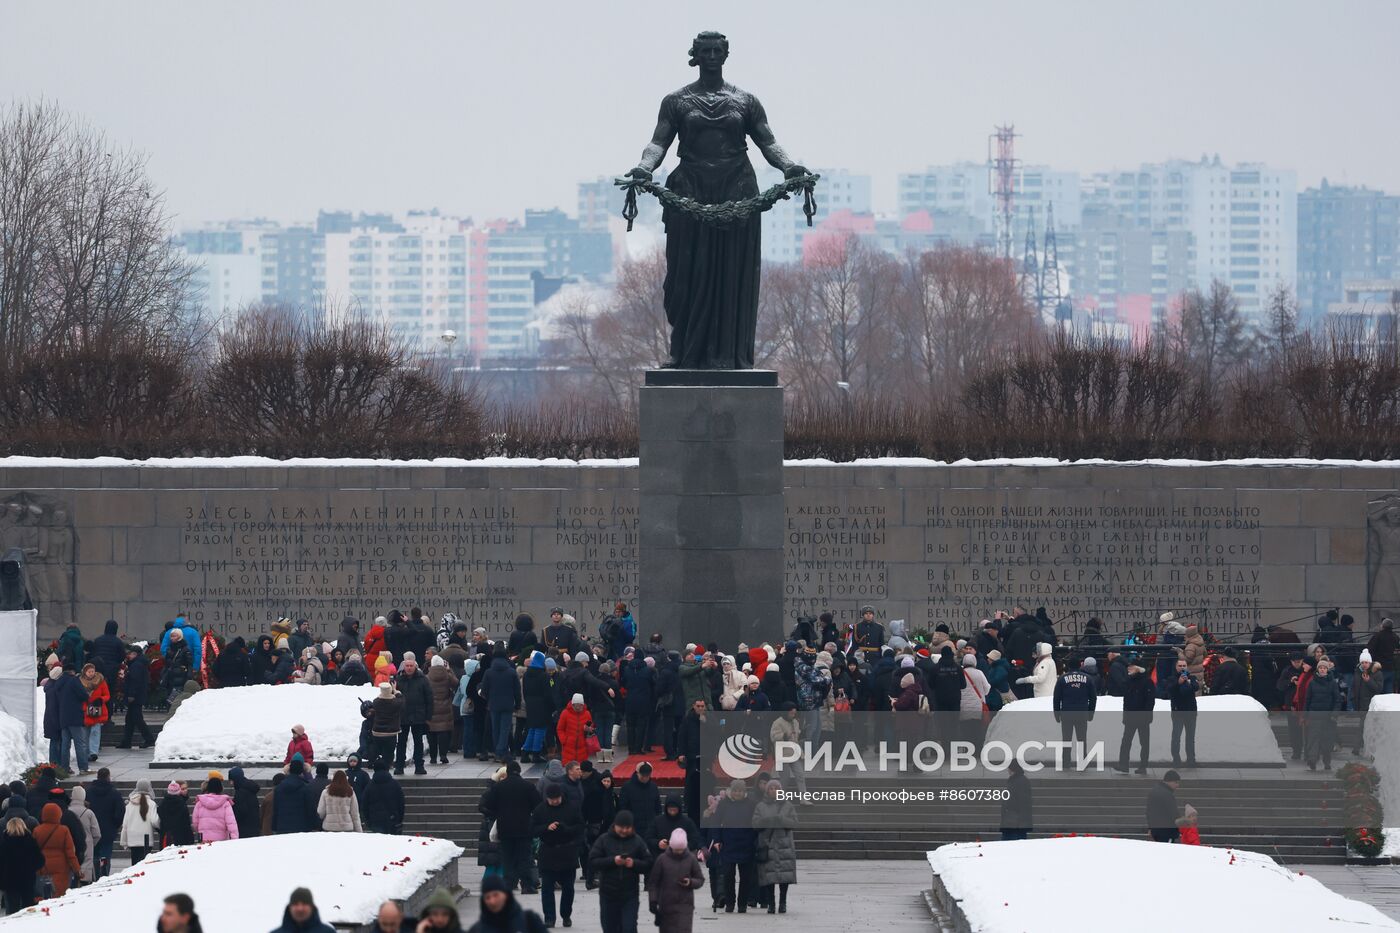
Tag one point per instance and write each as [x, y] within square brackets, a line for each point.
[1042, 676]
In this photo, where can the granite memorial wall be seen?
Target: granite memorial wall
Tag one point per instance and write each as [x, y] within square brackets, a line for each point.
[235, 547]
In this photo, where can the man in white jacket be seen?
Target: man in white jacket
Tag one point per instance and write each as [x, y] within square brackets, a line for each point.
[1042, 677]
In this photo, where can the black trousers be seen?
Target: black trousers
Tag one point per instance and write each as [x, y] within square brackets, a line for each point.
[745, 893]
[692, 790]
[1074, 727]
[1183, 721]
[638, 732]
[1142, 728]
[418, 730]
[136, 719]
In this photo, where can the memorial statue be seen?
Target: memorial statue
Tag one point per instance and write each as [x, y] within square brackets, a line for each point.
[711, 208]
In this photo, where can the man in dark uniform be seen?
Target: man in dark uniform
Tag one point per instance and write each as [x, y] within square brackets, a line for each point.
[1076, 696]
[870, 635]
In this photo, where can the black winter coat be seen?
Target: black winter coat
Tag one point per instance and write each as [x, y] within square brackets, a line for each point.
[234, 668]
[107, 805]
[1018, 809]
[175, 826]
[293, 807]
[640, 683]
[417, 696]
[1161, 807]
[1115, 683]
[558, 846]
[108, 651]
[510, 803]
[500, 687]
[418, 639]
[666, 823]
[1324, 695]
[382, 809]
[644, 800]
[539, 698]
[599, 802]
[1230, 679]
[1182, 695]
[617, 880]
[1139, 698]
[137, 685]
[247, 812]
[20, 861]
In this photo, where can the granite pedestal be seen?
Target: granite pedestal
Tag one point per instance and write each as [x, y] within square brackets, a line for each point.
[711, 506]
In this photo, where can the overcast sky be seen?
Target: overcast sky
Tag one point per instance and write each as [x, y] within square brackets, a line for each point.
[485, 108]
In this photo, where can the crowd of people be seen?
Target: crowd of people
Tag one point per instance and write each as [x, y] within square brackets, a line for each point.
[551, 695]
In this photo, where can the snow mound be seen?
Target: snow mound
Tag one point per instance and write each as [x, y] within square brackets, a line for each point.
[254, 724]
[16, 753]
[1263, 895]
[349, 874]
[1241, 737]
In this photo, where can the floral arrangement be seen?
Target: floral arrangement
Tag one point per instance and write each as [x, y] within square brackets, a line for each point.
[1362, 809]
[31, 776]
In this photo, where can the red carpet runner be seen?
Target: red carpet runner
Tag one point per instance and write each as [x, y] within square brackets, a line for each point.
[665, 773]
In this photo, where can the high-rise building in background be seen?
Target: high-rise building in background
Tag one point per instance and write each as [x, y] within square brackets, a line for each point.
[410, 275]
[785, 226]
[1242, 218]
[1345, 234]
[964, 188]
[423, 274]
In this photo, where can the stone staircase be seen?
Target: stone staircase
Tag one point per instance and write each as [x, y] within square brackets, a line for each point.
[1295, 821]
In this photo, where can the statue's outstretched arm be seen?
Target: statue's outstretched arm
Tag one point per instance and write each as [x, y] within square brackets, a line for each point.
[661, 139]
[775, 154]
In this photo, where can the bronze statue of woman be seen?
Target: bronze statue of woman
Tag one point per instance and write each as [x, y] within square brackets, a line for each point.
[711, 288]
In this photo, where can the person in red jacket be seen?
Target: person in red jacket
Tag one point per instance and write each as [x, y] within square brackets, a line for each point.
[574, 725]
[299, 743]
[374, 643]
[99, 706]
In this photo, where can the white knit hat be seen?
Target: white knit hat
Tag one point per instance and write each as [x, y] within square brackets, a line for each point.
[576, 699]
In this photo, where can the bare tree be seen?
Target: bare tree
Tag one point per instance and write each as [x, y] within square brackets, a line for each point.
[1208, 333]
[1279, 327]
[283, 386]
[961, 310]
[85, 240]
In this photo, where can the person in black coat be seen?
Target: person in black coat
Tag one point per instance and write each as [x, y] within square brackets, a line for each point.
[1231, 679]
[671, 819]
[174, 813]
[38, 795]
[509, 803]
[1115, 681]
[1075, 699]
[417, 696]
[642, 797]
[234, 668]
[558, 825]
[20, 862]
[1139, 699]
[357, 776]
[419, 637]
[108, 805]
[522, 640]
[500, 689]
[136, 687]
[261, 660]
[246, 804]
[1017, 810]
[639, 680]
[946, 684]
[1163, 823]
[108, 652]
[501, 912]
[383, 809]
[1181, 692]
[619, 859]
[293, 808]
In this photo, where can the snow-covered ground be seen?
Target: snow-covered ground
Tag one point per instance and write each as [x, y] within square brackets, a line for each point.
[244, 884]
[1383, 742]
[1230, 729]
[16, 753]
[1012, 887]
[255, 723]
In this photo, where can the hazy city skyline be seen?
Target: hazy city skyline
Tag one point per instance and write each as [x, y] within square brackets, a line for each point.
[485, 110]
